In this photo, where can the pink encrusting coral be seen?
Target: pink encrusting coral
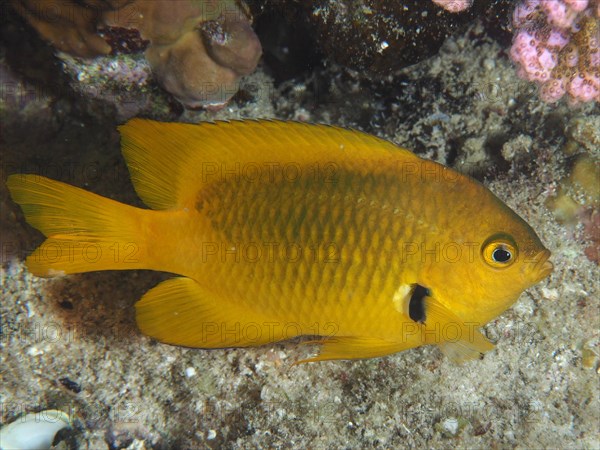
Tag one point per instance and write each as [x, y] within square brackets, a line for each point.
[556, 45]
[454, 5]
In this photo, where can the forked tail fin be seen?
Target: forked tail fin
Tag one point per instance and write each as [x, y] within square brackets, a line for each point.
[85, 231]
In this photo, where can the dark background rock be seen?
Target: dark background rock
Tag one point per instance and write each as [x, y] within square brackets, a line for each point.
[376, 36]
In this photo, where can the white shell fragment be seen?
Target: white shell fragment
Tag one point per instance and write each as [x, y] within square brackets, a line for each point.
[450, 425]
[33, 431]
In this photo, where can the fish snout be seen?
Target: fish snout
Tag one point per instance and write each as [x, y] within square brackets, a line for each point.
[543, 267]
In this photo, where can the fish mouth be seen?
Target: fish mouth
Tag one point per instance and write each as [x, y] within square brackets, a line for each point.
[543, 267]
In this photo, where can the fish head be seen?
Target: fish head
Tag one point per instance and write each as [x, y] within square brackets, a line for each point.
[506, 258]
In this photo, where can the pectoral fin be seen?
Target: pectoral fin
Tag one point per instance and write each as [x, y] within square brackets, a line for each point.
[460, 351]
[458, 340]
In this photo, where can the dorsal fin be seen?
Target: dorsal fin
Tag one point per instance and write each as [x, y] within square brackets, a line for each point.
[170, 162]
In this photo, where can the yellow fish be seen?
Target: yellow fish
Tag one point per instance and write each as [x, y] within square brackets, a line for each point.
[284, 229]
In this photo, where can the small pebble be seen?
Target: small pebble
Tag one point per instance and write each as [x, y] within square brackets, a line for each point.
[489, 64]
[450, 425]
[70, 384]
[34, 351]
[550, 294]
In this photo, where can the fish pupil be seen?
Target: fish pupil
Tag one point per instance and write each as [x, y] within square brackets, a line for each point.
[416, 304]
[501, 255]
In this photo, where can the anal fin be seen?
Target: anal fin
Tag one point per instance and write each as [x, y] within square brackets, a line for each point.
[458, 340]
[181, 312]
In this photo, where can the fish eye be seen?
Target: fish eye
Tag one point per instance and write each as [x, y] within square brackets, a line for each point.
[501, 255]
[499, 251]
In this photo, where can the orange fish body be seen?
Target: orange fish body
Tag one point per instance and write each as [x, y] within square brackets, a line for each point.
[283, 229]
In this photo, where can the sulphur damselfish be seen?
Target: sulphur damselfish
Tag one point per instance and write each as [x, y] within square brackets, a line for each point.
[282, 229]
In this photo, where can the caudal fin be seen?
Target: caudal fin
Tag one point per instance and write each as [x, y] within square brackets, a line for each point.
[86, 232]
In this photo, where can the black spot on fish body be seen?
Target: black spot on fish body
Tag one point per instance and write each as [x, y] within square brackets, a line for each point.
[416, 304]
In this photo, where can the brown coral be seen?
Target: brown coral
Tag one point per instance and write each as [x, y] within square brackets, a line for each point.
[198, 50]
[68, 25]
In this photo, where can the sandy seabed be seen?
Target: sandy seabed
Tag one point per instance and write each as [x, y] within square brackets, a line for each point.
[71, 343]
